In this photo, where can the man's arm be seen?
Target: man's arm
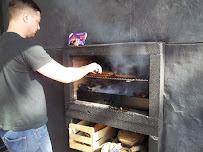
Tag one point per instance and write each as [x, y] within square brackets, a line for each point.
[63, 74]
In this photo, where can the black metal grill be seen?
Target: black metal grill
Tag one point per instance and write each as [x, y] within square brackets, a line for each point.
[120, 79]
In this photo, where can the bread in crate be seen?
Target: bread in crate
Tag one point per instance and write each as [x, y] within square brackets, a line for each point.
[88, 139]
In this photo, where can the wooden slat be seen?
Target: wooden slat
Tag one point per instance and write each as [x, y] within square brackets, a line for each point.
[81, 139]
[101, 133]
[71, 131]
[97, 144]
[80, 147]
[80, 142]
[86, 129]
[84, 122]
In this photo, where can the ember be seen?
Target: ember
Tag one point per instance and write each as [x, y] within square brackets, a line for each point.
[143, 95]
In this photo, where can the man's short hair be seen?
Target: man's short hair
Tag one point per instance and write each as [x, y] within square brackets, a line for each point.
[18, 5]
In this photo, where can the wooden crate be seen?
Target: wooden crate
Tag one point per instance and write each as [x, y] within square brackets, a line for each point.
[84, 138]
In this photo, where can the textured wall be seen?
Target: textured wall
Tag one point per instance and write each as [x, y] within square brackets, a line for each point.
[183, 127]
[109, 21]
[4, 14]
[1, 19]
[172, 21]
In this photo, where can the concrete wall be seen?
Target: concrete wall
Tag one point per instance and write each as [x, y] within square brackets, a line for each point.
[109, 21]
[183, 114]
[1, 19]
[5, 16]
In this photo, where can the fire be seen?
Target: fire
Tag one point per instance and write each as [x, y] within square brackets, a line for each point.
[143, 95]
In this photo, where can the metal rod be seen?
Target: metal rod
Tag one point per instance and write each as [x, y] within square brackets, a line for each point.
[120, 79]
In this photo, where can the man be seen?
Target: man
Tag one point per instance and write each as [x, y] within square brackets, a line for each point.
[23, 115]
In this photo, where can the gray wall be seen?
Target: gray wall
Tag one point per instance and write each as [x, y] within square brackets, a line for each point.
[109, 21]
[183, 104]
[4, 22]
[1, 19]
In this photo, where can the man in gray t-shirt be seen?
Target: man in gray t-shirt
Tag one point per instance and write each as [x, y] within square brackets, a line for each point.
[21, 93]
[23, 114]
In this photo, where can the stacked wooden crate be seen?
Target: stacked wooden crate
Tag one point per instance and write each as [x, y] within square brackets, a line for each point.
[84, 138]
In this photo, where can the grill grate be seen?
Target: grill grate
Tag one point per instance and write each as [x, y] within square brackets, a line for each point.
[120, 79]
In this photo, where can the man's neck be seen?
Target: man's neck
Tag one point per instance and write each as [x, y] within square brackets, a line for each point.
[16, 28]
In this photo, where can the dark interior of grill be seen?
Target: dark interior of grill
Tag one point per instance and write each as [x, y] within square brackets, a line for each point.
[124, 82]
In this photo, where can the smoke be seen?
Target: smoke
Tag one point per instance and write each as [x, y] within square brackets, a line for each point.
[127, 65]
[130, 64]
[132, 89]
[108, 89]
[99, 19]
[104, 25]
[123, 64]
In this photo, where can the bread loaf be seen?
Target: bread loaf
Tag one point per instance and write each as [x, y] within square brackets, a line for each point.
[98, 127]
[129, 138]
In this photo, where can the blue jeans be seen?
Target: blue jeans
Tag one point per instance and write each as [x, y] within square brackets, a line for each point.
[33, 140]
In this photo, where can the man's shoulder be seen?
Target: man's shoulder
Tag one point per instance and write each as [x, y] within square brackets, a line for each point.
[29, 45]
[30, 41]
[17, 40]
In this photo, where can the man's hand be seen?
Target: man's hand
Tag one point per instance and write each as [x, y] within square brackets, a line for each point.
[94, 68]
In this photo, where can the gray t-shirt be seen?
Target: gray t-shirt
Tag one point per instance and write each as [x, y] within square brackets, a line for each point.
[22, 99]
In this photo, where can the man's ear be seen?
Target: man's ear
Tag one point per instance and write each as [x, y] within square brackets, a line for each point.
[25, 17]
